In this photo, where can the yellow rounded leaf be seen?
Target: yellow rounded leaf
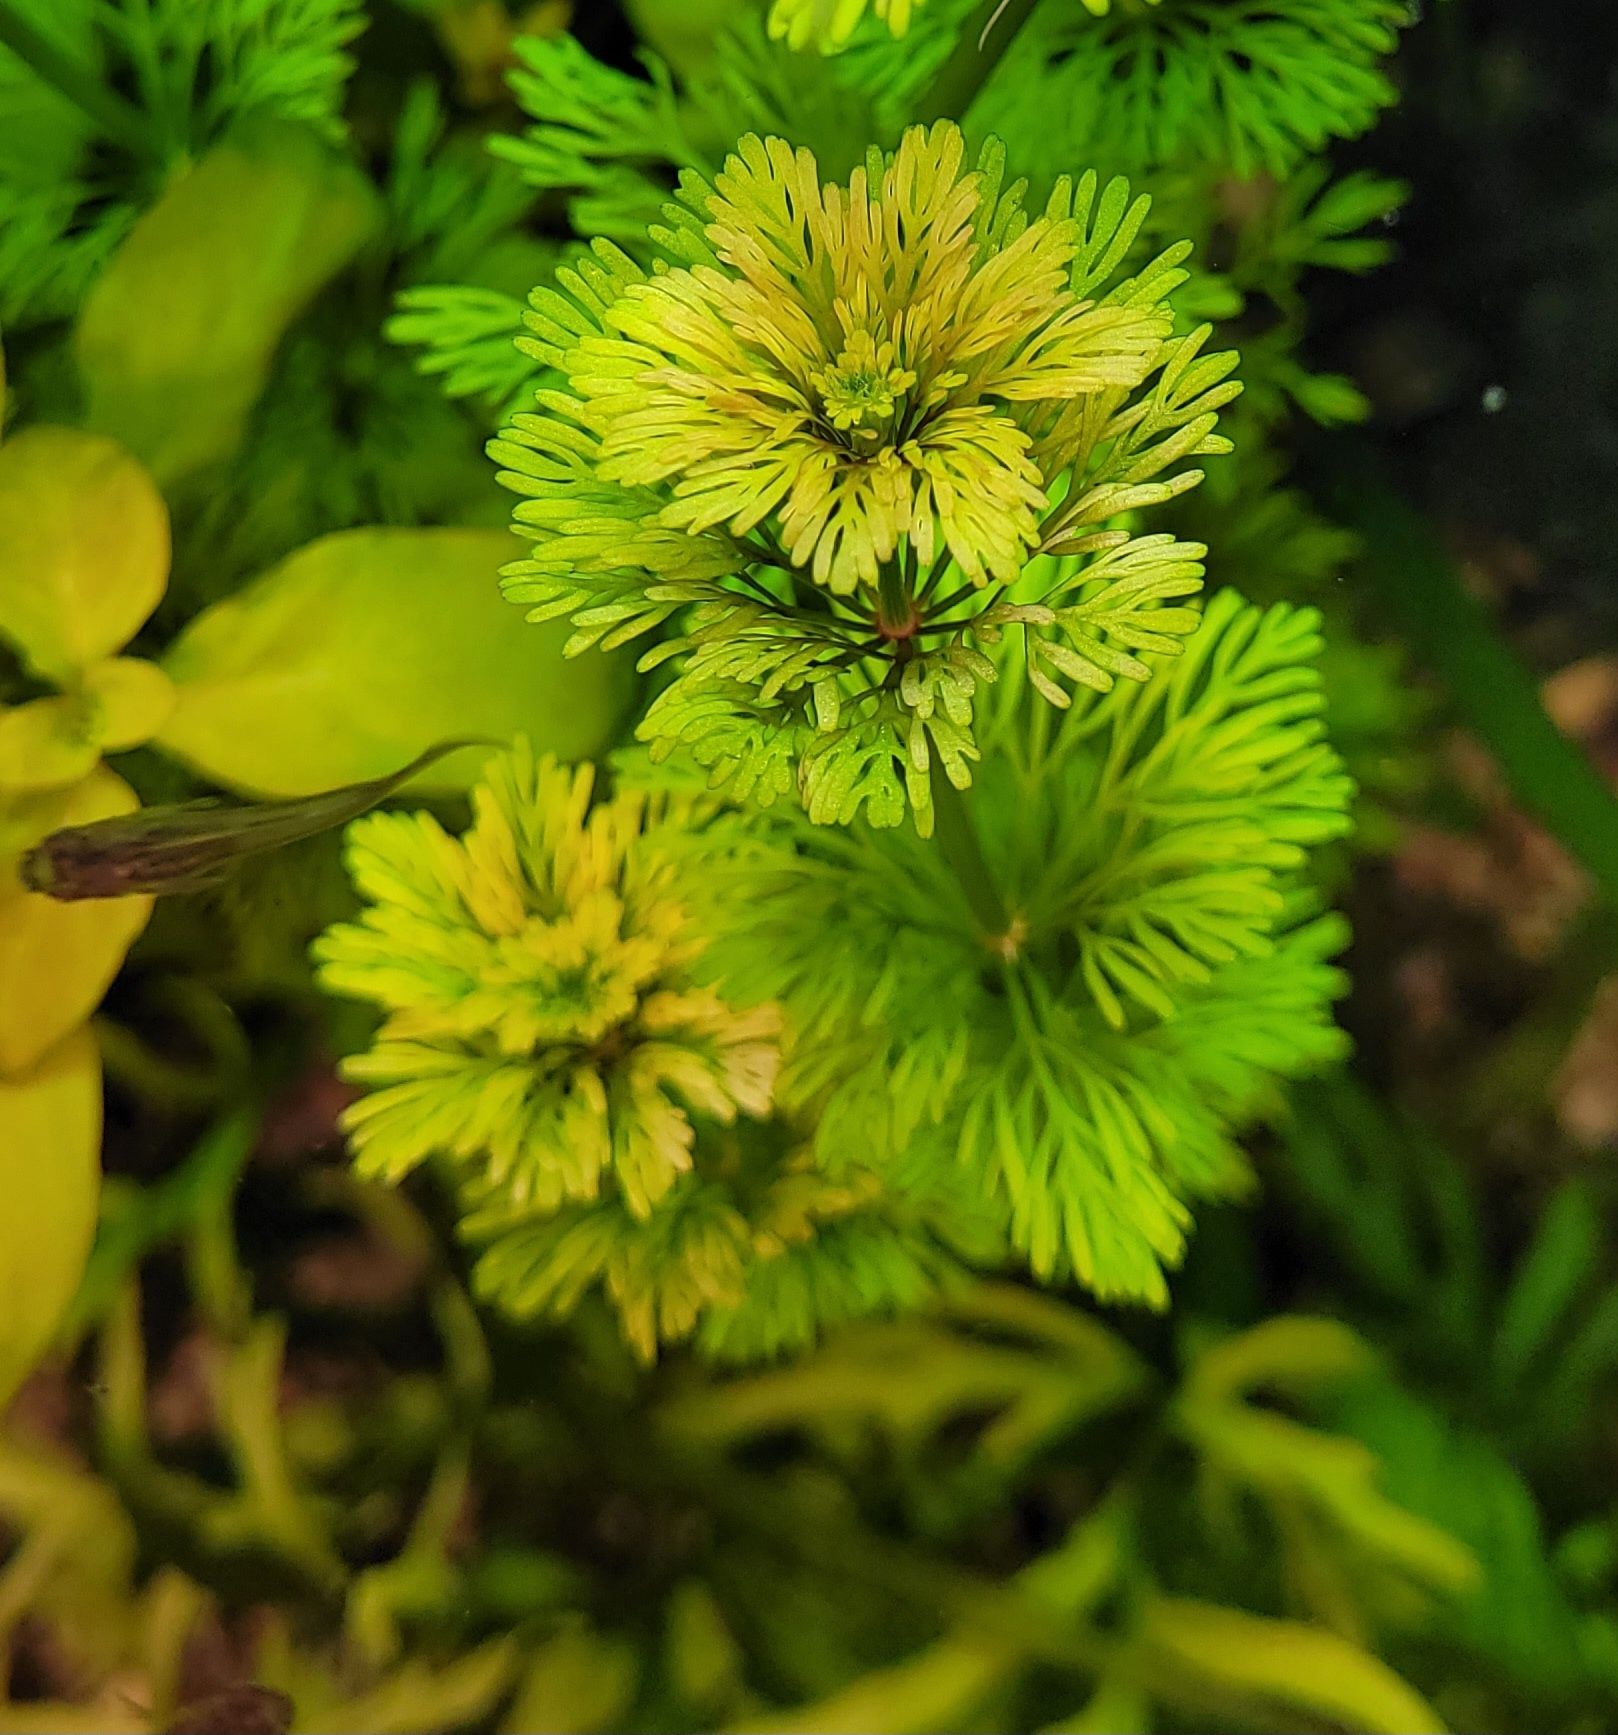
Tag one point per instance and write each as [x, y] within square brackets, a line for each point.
[84, 548]
[365, 648]
[56, 960]
[50, 1144]
[136, 698]
[50, 743]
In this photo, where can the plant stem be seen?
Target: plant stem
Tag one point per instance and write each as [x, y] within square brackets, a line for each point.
[140, 1068]
[958, 842]
[957, 82]
[895, 611]
[116, 120]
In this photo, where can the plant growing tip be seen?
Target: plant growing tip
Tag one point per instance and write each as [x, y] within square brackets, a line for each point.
[166, 851]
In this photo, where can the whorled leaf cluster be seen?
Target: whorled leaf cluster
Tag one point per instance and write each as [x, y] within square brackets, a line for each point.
[1078, 1031]
[828, 429]
[602, 1107]
[1246, 85]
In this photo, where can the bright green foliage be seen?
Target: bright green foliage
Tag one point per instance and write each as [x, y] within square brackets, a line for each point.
[968, 1399]
[756, 84]
[122, 93]
[758, 1252]
[453, 216]
[610, 147]
[1274, 544]
[449, 211]
[346, 430]
[551, 1032]
[198, 64]
[544, 1025]
[47, 258]
[1155, 966]
[1259, 210]
[1244, 85]
[888, 465]
[833, 427]
[827, 428]
[604, 137]
[468, 341]
[828, 24]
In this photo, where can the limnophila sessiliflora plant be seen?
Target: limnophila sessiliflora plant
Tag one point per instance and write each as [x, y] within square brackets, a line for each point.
[956, 911]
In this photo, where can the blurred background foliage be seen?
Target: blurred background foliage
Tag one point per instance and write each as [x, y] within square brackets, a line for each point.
[260, 261]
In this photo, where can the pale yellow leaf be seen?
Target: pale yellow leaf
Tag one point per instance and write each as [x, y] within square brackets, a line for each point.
[1206, 1655]
[49, 743]
[56, 960]
[136, 698]
[938, 1688]
[575, 1683]
[365, 648]
[1293, 1352]
[50, 1167]
[84, 548]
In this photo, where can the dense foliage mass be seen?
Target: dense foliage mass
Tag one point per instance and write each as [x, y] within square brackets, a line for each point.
[938, 1097]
